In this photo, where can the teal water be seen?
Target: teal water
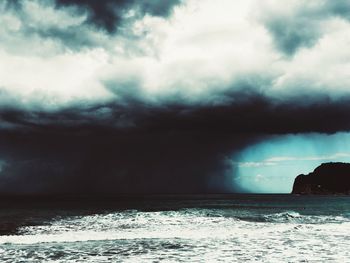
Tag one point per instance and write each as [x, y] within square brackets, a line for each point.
[235, 228]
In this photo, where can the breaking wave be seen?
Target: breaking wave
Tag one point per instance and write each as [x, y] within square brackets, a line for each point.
[225, 234]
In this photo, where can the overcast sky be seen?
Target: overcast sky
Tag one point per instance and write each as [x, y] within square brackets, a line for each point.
[167, 96]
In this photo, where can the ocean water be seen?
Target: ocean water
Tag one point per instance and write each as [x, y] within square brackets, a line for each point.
[241, 228]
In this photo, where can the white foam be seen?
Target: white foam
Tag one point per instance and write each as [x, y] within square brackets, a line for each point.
[171, 225]
[138, 236]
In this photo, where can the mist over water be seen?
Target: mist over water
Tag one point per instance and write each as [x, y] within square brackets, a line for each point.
[254, 228]
[271, 166]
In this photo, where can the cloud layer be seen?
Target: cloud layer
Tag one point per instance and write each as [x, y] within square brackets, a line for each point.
[66, 52]
[152, 92]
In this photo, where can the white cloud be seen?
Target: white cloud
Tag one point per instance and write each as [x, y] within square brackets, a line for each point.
[324, 67]
[308, 158]
[54, 80]
[276, 160]
[254, 164]
[44, 15]
[204, 50]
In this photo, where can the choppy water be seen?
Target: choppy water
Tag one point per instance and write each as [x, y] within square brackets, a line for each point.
[242, 228]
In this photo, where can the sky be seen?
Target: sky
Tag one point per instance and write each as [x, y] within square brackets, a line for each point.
[172, 96]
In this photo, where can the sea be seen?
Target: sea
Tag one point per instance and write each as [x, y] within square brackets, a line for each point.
[178, 228]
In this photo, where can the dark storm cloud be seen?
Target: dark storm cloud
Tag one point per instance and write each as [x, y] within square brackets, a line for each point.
[247, 113]
[33, 32]
[105, 121]
[290, 34]
[339, 8]
[303, 27]
[108, 14]
[73, 24]
[142, 148]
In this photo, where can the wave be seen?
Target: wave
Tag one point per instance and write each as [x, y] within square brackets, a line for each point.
[294, 217]
[185, 224]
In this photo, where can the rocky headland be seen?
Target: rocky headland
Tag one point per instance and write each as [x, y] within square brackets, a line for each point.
[326, 179]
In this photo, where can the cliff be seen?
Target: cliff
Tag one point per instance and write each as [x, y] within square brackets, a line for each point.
[328, 178]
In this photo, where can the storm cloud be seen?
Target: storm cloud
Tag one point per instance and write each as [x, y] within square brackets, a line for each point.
[159, 96]
[298, 24]
[143, 149]
[109, 14]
